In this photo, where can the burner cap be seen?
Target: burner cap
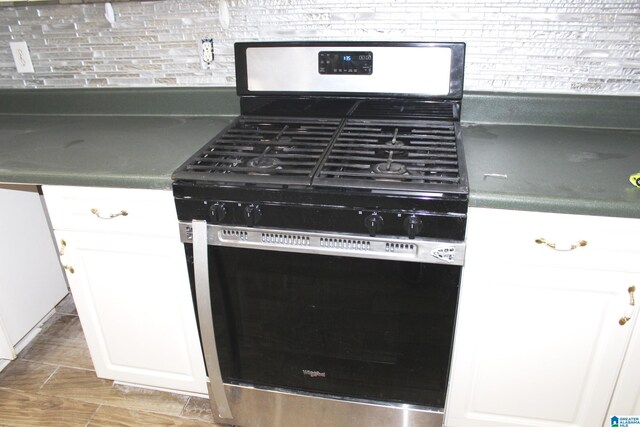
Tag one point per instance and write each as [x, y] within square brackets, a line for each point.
[391, 168]
[263, 163]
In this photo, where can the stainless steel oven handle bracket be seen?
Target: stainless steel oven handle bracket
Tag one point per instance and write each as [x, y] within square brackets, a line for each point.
[205, 318]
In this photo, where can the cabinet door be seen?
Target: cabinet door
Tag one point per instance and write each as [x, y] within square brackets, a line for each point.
[536, 346]
[31, 281]
[134, 302]
[626, 399]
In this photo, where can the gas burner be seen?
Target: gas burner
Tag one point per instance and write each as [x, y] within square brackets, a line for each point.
[389, 168]
[263, 164]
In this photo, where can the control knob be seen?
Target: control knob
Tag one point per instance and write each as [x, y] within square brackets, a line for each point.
[412, 226]
[217, 212]
[373, 223]
[252, 215]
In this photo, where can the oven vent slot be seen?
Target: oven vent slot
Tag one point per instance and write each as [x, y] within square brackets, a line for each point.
[399, 247]
[350, 244]
[237, 234]
[285, 239]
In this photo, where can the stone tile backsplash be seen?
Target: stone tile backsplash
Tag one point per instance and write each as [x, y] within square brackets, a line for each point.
[564, 46]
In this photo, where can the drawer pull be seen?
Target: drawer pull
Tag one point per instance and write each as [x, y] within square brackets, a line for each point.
[632, 302]
[96, 212]
[63, 246]
[556, 247]
[69, 269]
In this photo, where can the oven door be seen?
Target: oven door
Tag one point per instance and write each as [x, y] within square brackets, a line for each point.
[359, 318]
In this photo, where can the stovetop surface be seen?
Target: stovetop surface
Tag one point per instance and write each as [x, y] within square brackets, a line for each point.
[393, 154]
[379, 144]
[264, 150]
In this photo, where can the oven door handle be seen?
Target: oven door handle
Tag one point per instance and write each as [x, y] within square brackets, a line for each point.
[205, 319]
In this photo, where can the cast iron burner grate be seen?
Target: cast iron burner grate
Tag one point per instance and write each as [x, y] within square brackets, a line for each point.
[394, 154]
[263, 150]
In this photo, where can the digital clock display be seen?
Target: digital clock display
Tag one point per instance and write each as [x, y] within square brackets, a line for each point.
[350, 63]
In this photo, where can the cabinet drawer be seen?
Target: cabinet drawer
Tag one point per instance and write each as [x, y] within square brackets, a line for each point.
[112, 210]
[556, 240]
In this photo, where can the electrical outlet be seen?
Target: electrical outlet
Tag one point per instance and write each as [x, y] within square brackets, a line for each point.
[206, 53]
[21, 57]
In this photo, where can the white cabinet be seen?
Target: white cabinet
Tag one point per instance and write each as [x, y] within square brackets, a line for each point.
[538, 340]
[31, 281]
[626, 399]
[126, 269]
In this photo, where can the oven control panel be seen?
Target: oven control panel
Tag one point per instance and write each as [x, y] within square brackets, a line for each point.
[373, 222]
[345, 62]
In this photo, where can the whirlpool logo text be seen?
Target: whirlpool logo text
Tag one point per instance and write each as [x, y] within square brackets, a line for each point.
[314, 374]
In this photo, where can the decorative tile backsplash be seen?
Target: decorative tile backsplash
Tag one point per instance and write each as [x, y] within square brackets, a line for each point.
[567, 46]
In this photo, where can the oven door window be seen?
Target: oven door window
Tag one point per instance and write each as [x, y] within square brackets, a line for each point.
[359, 328]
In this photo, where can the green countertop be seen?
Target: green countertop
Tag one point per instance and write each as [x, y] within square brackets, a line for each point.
[553, 169]
[526, 165]
[108, 151]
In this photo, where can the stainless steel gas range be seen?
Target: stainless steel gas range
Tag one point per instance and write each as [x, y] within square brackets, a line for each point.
[324, 233]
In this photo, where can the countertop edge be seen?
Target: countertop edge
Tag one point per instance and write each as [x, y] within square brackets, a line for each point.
[104, 181]
[554, 205]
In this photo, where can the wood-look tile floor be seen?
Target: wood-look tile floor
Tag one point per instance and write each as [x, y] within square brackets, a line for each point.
[52, 383]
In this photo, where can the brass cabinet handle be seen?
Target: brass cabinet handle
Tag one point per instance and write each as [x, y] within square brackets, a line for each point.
[63, 246]
[578, 244]
[632, 302]
[96, 212]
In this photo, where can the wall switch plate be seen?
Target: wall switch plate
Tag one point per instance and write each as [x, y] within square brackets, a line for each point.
[21, 57]
[205, 49]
